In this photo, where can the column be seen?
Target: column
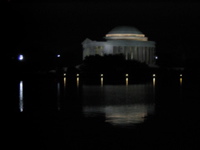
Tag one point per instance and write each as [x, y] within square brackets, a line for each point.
[150, 49]
[131, 51]
[139, 53]
[126, 53]
[150, 56]
[146, 55]
[142, 54]
[135, 52]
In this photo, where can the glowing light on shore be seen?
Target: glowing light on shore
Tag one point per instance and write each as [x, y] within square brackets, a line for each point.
[20, 57]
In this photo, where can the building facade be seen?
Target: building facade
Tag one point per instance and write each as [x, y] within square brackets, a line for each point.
[125, 40]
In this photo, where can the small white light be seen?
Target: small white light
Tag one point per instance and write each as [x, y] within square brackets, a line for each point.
[154, 75]
[64, 74]
[156, 57]
[181, 75]
[101, 75]
[77, 75]
[58, 55]
[20, 57]
[126, 75]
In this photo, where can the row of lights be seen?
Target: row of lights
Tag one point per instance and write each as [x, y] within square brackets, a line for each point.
[21, 57]
[154, 75]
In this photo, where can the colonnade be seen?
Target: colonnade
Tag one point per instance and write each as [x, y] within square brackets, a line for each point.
[142, 54]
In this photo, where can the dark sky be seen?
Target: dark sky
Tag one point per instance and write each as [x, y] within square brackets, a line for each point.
[62, 26]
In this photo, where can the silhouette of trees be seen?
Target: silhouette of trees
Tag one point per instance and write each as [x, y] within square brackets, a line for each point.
[112, 64]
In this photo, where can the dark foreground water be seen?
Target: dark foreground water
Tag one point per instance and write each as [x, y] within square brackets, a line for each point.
[47, 112]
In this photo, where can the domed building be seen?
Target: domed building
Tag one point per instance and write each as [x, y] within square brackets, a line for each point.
[125, 40]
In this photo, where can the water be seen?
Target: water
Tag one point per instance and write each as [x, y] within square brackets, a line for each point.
[65, 113]
[122, 105]
[125, 102]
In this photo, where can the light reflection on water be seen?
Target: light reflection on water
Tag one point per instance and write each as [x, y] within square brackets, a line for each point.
[126, 81]
[181, 81]
[121, 105]
[101, 81]
[154, 82]
[77, 81]
[123, 115]
[21, 96]
[58, 95]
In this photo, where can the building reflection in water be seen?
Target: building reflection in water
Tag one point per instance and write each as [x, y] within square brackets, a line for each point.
[119, 105]
[21, 96]
[122, 115]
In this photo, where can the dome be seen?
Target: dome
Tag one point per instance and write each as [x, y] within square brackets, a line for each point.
[125, 33]
[125, 30]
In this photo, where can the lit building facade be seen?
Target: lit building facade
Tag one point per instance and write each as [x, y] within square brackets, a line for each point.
[125, 40]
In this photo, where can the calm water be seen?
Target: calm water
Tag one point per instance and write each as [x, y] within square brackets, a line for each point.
[123, 105]
[56, 109]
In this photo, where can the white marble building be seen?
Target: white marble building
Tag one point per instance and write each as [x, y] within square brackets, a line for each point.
[125, 40]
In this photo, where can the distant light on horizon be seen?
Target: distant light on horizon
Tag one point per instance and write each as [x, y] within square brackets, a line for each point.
[156, 57]
[58, 55]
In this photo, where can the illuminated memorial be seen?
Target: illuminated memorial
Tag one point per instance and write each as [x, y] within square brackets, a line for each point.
[125, 40]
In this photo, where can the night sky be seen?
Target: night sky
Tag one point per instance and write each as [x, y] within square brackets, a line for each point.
[60, 27]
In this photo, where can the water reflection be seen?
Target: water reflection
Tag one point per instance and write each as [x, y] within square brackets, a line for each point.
[77, 81]
[58, 95]
[154, 82]
[101, 81]
[120, 105]
[126, 81]
[123, 115]
[64, 81]
[21, 96]
[181, 81]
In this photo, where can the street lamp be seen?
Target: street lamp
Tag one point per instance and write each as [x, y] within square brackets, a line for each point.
[20, 57]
